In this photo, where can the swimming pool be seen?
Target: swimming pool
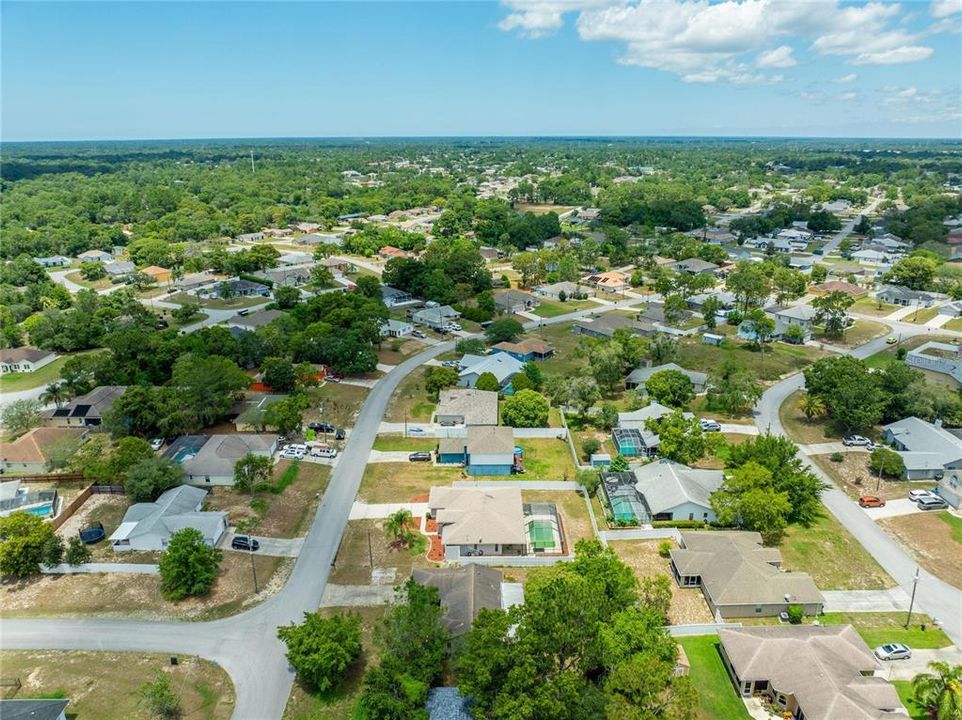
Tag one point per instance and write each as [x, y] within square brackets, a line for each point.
[41, 510]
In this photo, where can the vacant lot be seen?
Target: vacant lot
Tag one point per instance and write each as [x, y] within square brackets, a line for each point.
[410, 401]
[856, 478]
[571, 506]
[397, 350]
[570, 349]
[717, 699]
[365, 541]
[399, 443]
[687, 604]
[339, 703]
[123, 595]
[552, 308]
[921, 315]
[106, 686]
[234, 303]
[285, 514]
[335, 403]
[869, 306]
[934, 539]
[399, 482]
[801, 429]
[834, 559]
[777, 359]
[859, 333]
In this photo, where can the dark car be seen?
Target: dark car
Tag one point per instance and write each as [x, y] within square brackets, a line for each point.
[340, 434]
[244, 542]
[321, 427]
[420, 456]
[93, 534]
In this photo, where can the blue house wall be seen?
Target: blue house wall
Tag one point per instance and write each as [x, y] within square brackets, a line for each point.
[453, 458]
[489, 469]
[527, 357]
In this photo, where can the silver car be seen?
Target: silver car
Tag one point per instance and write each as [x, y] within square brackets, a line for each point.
[893, 651]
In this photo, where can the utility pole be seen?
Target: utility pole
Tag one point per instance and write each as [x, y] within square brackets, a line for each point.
[250, 552]
[915, 584]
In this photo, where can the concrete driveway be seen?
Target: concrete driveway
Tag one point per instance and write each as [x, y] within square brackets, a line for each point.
[388, 456]
[918, 663]
[893, 508]
[827, 448]
[890, 600]
[275, 547]
[361, 510]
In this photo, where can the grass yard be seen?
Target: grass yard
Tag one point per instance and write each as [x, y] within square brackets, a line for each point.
[76, 277]
[716, 461]
[799, 428]
[571, 506]
[873, 308]
[335, 403]
[283, 515]
[234, 303]
[776, 360]
[15, 382]
[954, 324]
[922, 316]
[405, 348]
[579, 436]
[398, 443]
[547, 459]
[834, 559]
[399, 482]
[553, 308]
[934, 539]
[339, 703]
[859, 333]
[878, 628]
[687, 604]
[570, 349]
[106, 685]
[717, 699]
[366, 540]
[907, 696]
[410, 400]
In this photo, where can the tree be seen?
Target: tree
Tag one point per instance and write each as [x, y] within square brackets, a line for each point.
[526, 408]
[760, 327]
[470, 346]
[398, 526]
[21, 415]
[208, 386]
[788, 284]
[150, 477]
[286, 297]
[159, 697]
[794, 334]
[92, 270]
[819, 274]
[503, 330]
[186, 313]
[534, 374]
[939, 692]
[670, 387]
[590, 446]
[52, 554]
[278, 373]
[830, 312]
[607, 416]
[887, 462]
[607, 366]
[251, 471]
[747, 498]
[487, 381]
[812, 406]
[681, 438]
[662, 349]
[413, 631]
[23, 538]
[619, 463]
[849, 389]
[322, 649]
[749, 283]
[77, 552]
[189, 566]
[735, 389]
[57, 393]
[287, 415]
[580, 392]
[710, 309]
[913, 272]
[437, 379]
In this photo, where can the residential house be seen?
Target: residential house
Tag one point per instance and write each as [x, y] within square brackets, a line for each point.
[844, 269]
[663, 261]
[249, 237]
[502, 365]
[392, 296]
[295, 258]
[810, 672]
[945, 358]
[927, 450]
[34, 709]
[479, 521]
[605, 326]
[159, 275]
[338, 265]
[639, 376]
[395, 328]
[727, 300]
[285, 276]
[255, 319]
[53, 261]
[512, 301]
[318, 239]
[739, 577]
[527, 350]
[609, 282]
[695, 266]
[210, 459]
[306, 227]
[192, 281]
[489, 253]
[871, 256]
[898, 295]
[435, 317]
[101, 256]
[85, 411]
[662, 490]
[802, 263]
[632, 437]
[954, 241]
[149, 526]
[655, 313]
[30, 453]
[802, 316]
[464, 591]
[389, 251]
[24, 359]
[248, 414]
[119, 270]
[554, 290]
[827, 288]
[467, 406]
[485, 450]
[241, 288]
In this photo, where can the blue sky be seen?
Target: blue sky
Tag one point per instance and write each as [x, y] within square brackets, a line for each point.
[523, 67]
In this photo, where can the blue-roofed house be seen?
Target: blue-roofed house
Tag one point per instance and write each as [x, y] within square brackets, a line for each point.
[447, 703]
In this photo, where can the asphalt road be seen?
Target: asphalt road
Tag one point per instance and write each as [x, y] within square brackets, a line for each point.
[246, 645]
[832, 245]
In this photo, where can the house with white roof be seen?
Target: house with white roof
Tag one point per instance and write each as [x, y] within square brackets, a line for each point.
[929, 452]
[502, 365]
[210, 459]
[662, 490]
[479, 521]
[639, 376]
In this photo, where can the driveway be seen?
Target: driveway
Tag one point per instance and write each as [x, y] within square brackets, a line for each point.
[388, 456]
[739, 429]
[827, 448]
[134, 568]
[890, 600]
[893, 508]
[275, 547]
[357, 595]
[918, 663]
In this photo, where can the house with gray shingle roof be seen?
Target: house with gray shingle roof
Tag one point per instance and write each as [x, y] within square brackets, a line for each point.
[639, 376]
[927, 450]
[148, 526]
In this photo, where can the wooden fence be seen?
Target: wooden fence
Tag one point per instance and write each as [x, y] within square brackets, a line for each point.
[74, 505]
[49, 478]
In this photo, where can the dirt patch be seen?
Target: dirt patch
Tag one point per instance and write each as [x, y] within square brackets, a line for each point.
[687, 604]
[930, 541]
[856, 478]
[366, 557]
[105, 509]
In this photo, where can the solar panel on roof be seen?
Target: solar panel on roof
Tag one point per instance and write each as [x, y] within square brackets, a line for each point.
[80, 411]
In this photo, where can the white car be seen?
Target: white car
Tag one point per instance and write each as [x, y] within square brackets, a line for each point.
[893, 651]
[856, 441]
[324, 452]
[292, 454]
[709, 425]
[916, 495]
[156, 443]
[454, 327]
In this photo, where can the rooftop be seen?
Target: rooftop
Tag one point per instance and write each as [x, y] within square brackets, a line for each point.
[479, 407]
[464, 591]
[666, 484]
[470, 516]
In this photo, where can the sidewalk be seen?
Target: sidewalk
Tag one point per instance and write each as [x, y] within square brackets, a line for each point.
[134, 568]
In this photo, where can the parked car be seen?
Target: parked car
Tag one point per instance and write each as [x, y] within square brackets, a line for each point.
[870, 501]
[322, 427]
[420, 456]
[93, 534]
[418, 334]
[709, 425]
[856, 441]
[891, 341]
[931, 502]
[156, 443]
[447, 423]
[916, 495]
[893, 651]
[340, 434]
[455, 327]
[293, 453]
[323, 452]
[416, 431]
[245, 542]
[451, 364]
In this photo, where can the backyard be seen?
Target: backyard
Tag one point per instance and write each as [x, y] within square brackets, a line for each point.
[571, 506]
[934, 539]
[717, 699]
[546, 459]
[106, 685]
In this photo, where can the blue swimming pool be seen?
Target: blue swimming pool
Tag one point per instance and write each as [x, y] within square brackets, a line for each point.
[41, 510]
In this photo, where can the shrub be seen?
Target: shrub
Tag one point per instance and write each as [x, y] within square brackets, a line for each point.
[589, 446]
[837, 457]
[795, 614]
[664, 548]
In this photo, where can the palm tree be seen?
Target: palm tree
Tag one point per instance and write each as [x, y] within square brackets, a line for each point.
[940, 691]
[812, 406]
[56, 393]
[398, 526]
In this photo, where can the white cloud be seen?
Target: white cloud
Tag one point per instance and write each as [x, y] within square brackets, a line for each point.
[780, 57]
[848, 96]
[944, 8]
[707, 41]
[846, 79]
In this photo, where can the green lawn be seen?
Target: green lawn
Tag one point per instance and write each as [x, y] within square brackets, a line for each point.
[799, 428]
[15, 382]
[395, 443]
[234, 303]
[834, 559]
[336, 403]
[552, 308]
[878, 628]
[922, 316]
[954, 324]
[776, 360]
[859, 333]
[717, 699]
[869, 306]
[907, 696]
[570, 354]
[410, 401]
[954, 523]
[547, 459]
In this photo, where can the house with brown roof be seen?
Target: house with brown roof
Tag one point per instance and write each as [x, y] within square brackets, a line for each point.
[527, 350]
[389, 251]
[827, 288]
[810, 672]
[741, 578]
[29, 453]
[612, 281]
[24, 359]
[474, 521]
[464, 592]
[158, 274]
